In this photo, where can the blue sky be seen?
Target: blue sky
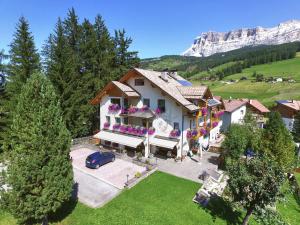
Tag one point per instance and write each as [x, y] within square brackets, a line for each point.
[157, 27]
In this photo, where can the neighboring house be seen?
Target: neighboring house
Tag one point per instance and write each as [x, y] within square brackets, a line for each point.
[156, 112]
[258, 110]
[288, 109]
[234, 112]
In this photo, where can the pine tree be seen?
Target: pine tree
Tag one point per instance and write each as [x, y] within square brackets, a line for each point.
[39, 170]
[124, 59]
[24, 60]
[277, 141]
[296, 128]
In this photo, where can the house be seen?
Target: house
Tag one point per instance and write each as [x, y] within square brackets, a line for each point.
[258, 110]
[288, 109]
[234, 112]
[156, 113]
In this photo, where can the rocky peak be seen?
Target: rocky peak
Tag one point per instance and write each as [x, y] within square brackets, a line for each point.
[212, 42]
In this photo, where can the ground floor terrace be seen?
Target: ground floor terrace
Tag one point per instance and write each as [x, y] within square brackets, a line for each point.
[177, 145]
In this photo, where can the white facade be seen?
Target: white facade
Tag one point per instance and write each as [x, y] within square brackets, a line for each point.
[164, 123]
[288, 122]
[234, 117]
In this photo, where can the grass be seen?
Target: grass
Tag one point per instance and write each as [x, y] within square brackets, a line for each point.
[265, 92]
[297, 175]
[213, 70]
[159, 199]
[290, 209]
[285, 69]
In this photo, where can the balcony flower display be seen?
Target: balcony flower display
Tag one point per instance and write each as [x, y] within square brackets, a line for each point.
[189, 134]
[123, 128]
[194, 133]
[157, 111]
[204, 111]
[116, 126]
[106, 125]
[132, 109]
[203, 131]
[151, 130]
[144, 130]
[130, 129]
[123, 110]
[221, 113]
[175, 133]
[144, 108]
[113, 108]
[215, 123]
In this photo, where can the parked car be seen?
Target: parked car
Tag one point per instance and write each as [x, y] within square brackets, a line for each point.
[97, 159]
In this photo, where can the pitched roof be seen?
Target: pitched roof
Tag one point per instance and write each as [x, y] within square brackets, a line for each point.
[194, 92]
[258, 106]
[126, 89]
[293, 104]
[233, 104]
[168, 85]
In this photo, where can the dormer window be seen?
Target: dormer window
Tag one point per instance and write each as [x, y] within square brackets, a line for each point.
[139, 82]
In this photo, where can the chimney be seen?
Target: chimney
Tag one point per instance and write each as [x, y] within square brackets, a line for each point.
[164, 75]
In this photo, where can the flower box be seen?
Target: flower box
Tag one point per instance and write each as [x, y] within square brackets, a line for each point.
[113, 108]
[175, 133]
[151, 130]
[106, 125]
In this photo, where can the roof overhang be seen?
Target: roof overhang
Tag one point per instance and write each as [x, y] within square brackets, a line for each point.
[165, 143]
[121, 139]
[126, 91]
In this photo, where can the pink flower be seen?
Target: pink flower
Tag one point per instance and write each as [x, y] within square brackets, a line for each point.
[157, 111]
[214, 124]
[189, 134]
[116, 126]
[106, 125]
[151, 130]
[203, 131]
[204, 111]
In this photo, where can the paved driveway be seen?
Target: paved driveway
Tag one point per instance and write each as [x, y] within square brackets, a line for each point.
[98, 186]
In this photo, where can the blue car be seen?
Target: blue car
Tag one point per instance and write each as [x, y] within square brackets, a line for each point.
[97, 159]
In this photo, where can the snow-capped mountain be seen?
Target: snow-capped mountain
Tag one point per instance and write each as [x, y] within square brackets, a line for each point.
[214, 42]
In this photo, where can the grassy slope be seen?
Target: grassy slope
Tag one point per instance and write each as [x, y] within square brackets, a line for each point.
[284, 68]
[213, 70]
[265, 92]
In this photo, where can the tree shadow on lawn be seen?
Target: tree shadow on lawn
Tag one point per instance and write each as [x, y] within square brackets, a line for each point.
[220, 208]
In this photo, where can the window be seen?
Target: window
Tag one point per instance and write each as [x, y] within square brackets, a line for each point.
[144, 122]
[161, 105]
[118, 120]
[176, 126]
[108, 119]
[242, 112]
[125, 120]
[126, 104]
[139, 82]
[116, 101]
[146, 101]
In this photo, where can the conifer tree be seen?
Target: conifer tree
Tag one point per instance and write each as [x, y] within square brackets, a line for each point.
[124, 59]
[24, 60]
[39, 170]
[277, 141]
[296, 128]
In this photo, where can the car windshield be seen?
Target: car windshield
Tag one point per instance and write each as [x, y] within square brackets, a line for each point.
[93, 156]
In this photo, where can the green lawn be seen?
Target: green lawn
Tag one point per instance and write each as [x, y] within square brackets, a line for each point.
[265, 92]
[284, 68]
[159, 199]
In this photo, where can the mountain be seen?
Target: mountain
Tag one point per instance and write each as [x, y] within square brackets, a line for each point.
[212, 42]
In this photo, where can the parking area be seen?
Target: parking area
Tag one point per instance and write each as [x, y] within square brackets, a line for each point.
[95, 187]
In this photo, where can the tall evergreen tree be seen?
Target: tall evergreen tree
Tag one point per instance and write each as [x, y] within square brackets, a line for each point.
[124, 59]
[277, 141]
[24, 60]
[80, 59]
[296, 128]
[39, 170]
